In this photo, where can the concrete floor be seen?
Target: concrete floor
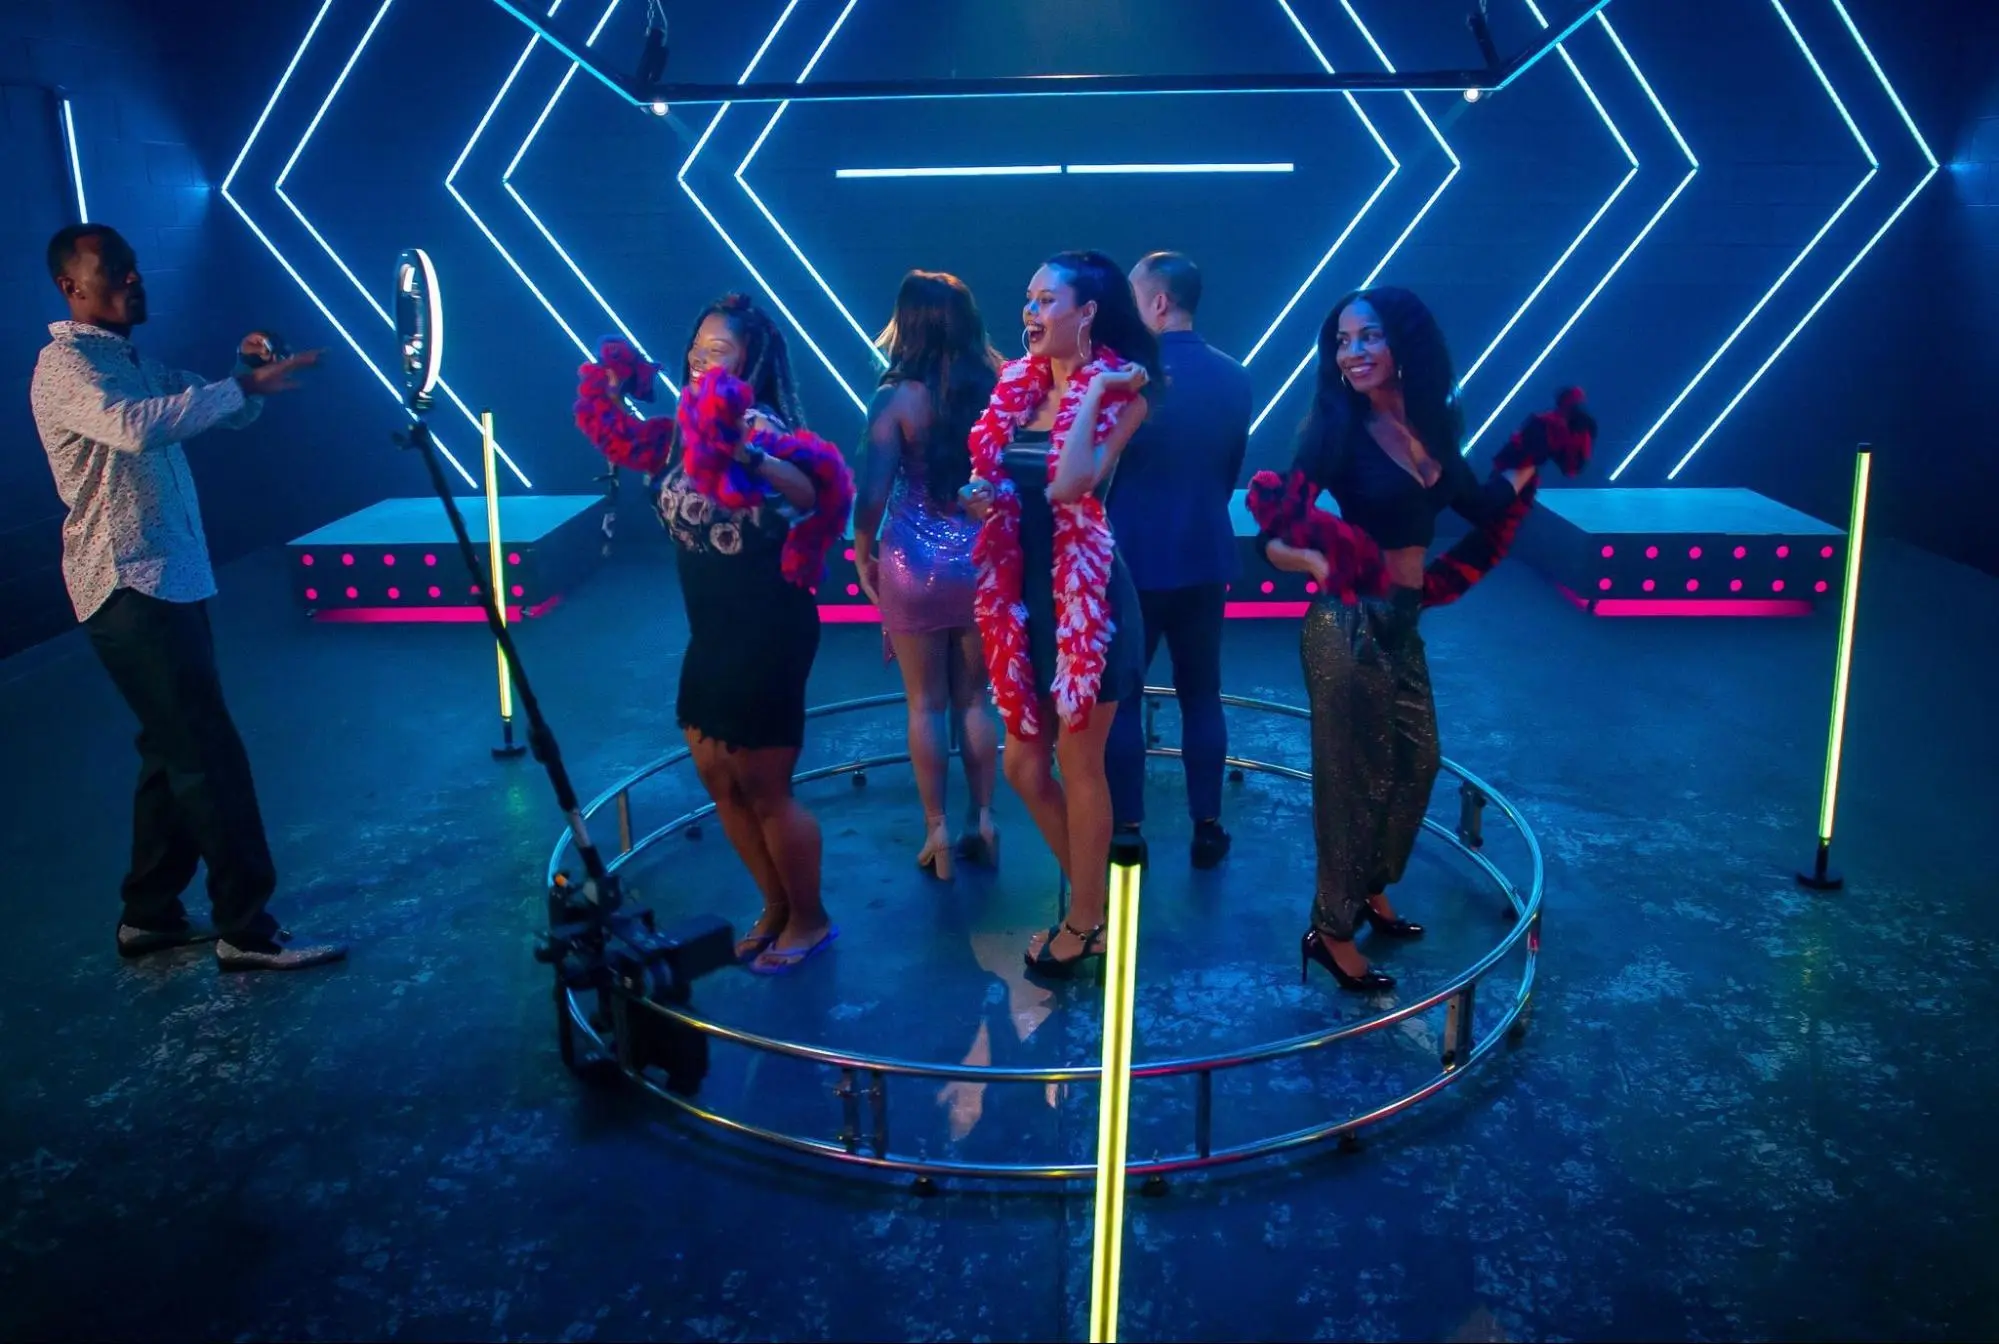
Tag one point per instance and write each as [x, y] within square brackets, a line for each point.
[1742, 1111]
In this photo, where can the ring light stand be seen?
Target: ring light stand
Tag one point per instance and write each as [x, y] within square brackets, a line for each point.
[596, 943]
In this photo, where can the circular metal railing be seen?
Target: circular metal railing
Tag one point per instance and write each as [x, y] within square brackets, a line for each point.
[864, 1141]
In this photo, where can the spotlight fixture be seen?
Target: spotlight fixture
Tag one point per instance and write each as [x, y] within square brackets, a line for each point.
[1473, 95]
[658, 108]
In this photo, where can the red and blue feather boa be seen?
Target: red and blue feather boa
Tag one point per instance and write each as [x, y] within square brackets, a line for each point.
[711, 418]
[1286, 508]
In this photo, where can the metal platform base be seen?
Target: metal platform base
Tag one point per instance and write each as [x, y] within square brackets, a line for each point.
[1206, 1106]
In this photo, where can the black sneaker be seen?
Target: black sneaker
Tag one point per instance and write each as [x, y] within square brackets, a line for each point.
[134, 941]
[274, 954]
[1211, 844]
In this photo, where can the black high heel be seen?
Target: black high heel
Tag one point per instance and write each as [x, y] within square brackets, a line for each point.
[1390, 926]
[1045, 963]
[1313, 948]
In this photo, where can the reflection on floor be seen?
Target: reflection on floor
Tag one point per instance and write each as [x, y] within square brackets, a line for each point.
[1741, 1111]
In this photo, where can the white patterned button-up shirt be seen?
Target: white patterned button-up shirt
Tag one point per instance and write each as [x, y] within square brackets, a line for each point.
[112, 423]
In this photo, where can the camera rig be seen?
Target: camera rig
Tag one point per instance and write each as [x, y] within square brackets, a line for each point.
[600, 945]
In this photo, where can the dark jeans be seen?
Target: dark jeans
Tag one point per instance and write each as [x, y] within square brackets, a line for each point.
[195, 799]
[1190, 621]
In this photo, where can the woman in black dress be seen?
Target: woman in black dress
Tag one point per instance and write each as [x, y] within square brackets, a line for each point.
[1059, 620]
[753, 626]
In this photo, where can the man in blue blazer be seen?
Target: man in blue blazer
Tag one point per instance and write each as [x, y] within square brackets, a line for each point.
[1169, 507]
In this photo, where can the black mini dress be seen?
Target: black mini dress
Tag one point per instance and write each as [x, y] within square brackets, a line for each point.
[752, 635]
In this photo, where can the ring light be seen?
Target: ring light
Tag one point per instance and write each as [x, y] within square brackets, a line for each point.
[419, 324]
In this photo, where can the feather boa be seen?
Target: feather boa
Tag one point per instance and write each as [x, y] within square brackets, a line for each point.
[1083, 552]
[640, 445]
[1284, 507]
[711, 416]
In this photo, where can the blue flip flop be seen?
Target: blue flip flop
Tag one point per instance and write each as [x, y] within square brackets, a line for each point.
[770, 962]
[756, 946]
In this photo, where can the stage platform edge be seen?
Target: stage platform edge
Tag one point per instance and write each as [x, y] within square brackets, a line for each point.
[397, 561]
[1682, 551]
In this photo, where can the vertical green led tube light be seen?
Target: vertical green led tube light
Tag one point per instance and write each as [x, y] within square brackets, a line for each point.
[497, 581]
[1821, 877]
[1113, 1115]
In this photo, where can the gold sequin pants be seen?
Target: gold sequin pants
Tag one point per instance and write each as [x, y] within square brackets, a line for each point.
[1374, 748]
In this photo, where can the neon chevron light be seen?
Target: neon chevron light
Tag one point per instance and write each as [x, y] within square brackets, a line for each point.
[451, 185]
[256, 130]
[1394, 247]
[75, 160]
[1610, 273]
[944, 171]
[367, 294]
[1851, 266]
[723, 233]
[1587, 228]
[880, 358]
[1394, 167]
[1873, 168]
[506, 183]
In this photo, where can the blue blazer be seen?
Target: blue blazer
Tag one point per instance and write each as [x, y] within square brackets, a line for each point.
[1169, 502]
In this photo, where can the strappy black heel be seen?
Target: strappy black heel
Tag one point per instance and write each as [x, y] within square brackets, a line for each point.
[1045, 963]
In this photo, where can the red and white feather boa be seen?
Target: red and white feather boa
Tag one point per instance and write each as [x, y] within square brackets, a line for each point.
[1083, 552]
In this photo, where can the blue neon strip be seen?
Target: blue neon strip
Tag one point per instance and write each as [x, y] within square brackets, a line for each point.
[1873, 167]
[450, 185]
[1394, 167]
[506, 183]
[1858, 257]
[1693, 167]
[577, 58]
[1886, 87]
[75, 161]
[742, 180]
[1587, 228]
[367, 294]
[1004, 170]
[1056, 169]
[1141, 169]
[1457, 166]
[264, 238]
[723, 233]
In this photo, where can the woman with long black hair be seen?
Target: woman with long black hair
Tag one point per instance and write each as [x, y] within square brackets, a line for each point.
[1059, 619]
[752, 503]
[941, 370]
[1385, 437]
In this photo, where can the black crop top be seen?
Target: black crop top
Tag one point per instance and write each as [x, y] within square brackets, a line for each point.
[1378, 496]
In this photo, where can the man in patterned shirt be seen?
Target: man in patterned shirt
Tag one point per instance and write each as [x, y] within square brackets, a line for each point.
[136, 563]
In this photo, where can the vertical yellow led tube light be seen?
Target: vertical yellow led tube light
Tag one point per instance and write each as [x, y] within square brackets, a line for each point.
[497, 580]
[1113, 1120]
[1821, 877]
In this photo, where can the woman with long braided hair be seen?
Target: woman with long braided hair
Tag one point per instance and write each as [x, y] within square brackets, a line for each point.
[753, 503]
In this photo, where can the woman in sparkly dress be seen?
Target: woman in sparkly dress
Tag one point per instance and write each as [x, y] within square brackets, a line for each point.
[920, 574]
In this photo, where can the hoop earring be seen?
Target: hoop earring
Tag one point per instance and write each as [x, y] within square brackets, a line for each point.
[1025, 348]
[1084, 348]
